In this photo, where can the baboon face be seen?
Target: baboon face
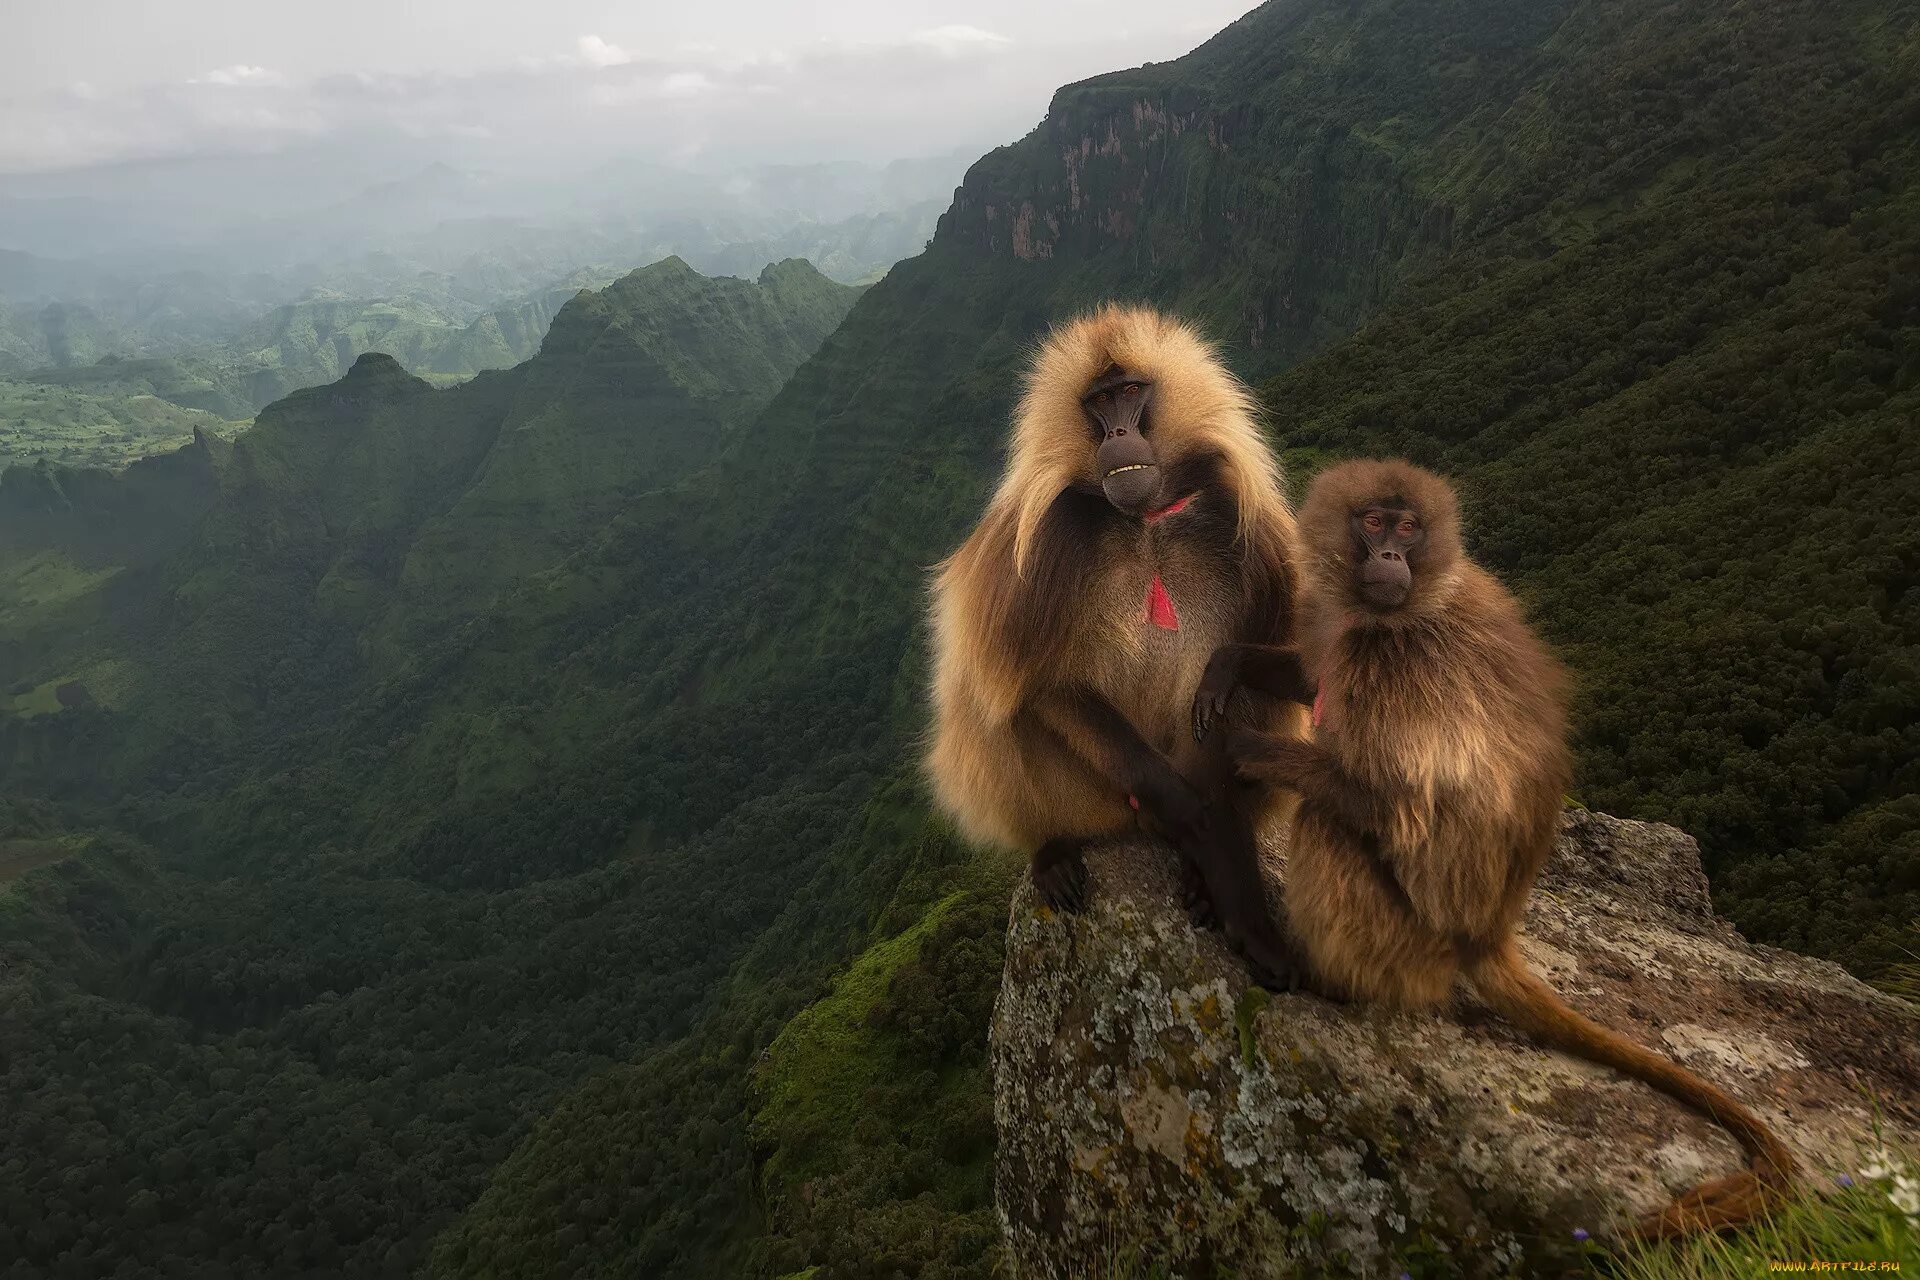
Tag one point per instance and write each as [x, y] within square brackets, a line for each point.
[1383, 534]
[1132, 409]
[1386, 537]
[1118, 407]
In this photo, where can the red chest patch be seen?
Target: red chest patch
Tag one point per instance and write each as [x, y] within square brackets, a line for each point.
[1171, 509]
[1160, 606]
[1319, 706]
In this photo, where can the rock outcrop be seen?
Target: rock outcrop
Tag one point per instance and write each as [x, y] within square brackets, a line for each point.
[1150, 1101]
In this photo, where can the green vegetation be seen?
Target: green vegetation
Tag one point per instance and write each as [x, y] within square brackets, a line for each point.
[17, 857]
[317, 340]
[1683, 421]
[658, 1151]
[114, 410]
[279, 979]
[872, 1109]
[207, 385]
[481, 786]
[229, 343]
[1870, 1216]
[39, 421]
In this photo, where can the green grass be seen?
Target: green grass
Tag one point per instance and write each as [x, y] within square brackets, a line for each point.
[820, 1070]
[1902, 978]
[1129, 1264]
[1868, 1222]
[36, 582]
[84, 429]
[40, 700]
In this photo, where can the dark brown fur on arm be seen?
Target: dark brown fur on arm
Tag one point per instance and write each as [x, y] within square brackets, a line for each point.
[1272, 669]
[1103, 739]
[1277, 670]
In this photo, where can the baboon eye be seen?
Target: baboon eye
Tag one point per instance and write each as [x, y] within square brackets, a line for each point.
[1131, 390]
[1372, 523]
[1406, 528]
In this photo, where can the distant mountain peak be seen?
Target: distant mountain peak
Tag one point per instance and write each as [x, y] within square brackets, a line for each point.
[789, 269]
[672, 264]
[374, 377]
[375, 364]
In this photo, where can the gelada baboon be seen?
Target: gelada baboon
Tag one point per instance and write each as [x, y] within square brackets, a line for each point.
[1139, 527]
[1431, 792]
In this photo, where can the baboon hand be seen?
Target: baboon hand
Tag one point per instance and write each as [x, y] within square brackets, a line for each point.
[1269, 965]
[1196, 897]
[1060, 878]
[1216, 689]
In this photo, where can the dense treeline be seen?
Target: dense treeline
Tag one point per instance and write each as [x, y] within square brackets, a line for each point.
[650, 1169]
[1687, 436]
[402, 894]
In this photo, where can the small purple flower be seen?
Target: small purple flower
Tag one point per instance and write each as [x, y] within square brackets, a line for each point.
[1579, 1233]
[1845, 1180]
[1405, 1276]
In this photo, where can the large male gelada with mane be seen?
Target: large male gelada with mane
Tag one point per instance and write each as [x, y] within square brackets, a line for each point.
[1140, 526]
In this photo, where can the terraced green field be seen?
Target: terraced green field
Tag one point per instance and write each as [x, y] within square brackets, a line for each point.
[43, 421]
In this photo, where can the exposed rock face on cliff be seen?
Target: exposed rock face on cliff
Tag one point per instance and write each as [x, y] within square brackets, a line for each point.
[1148, 1099]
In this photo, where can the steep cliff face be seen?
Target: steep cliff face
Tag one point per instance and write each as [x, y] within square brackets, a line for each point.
[1147, 1099]
[1279, 181]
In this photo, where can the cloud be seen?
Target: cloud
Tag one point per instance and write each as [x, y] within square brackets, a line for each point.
[595, 52]
[685, 84]
[956, 38]
[240, 75]
[921, 93]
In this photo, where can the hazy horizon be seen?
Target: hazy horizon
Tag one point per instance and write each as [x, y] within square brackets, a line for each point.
[539, 90]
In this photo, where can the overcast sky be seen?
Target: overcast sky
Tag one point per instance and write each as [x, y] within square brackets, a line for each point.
[527, 81]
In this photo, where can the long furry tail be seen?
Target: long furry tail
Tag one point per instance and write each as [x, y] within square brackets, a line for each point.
[1504, 981]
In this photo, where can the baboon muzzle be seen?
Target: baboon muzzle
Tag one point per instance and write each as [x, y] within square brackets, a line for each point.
[1385, 578]
[1129, 472]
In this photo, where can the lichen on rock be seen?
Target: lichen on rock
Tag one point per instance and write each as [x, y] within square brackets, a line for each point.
[1150, 1100]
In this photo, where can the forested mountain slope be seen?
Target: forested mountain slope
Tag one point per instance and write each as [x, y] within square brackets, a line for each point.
[109, 411]
[1560, 230]
[237, 700]
[494, 808]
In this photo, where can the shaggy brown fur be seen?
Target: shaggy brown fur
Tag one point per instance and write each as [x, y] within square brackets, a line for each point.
[1059, 701]
[1431, 794]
